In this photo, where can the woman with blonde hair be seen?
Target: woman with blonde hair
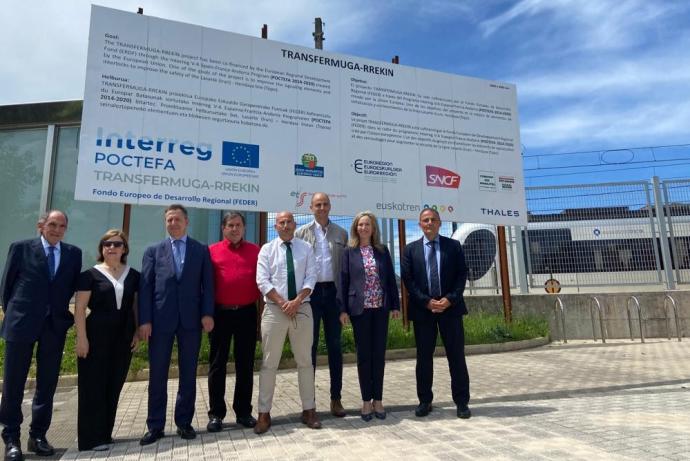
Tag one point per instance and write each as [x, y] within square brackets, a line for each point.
[106, 338]
[368, 293]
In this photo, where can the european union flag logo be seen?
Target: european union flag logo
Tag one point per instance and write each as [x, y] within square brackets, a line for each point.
[242, 155]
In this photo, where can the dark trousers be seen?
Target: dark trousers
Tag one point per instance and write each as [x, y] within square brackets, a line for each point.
[17, 362]
[371, 334]
[239, 324]
[160, 350]
[453, 337]
[101, 376]
[324, 306]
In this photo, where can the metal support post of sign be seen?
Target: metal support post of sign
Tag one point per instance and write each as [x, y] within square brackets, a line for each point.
[663, 235]
[127, 208]
[520, 257]
[402, 241]
[505, 278]
[318, 33]
[263, 216]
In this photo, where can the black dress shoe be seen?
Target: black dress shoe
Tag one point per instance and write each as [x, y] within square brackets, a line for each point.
[40, 446]
[215, 424]
[246, 421]
[151, 437]
[366, 417]
[186, 432]
[422, 409]
[464, 412]
[13, 452]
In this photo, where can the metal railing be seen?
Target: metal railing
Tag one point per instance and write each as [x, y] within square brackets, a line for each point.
[558, 305]
[639, 317]
[595, 304]
[670, 302]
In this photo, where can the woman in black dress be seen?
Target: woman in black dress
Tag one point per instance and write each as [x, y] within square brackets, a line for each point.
[106, 339]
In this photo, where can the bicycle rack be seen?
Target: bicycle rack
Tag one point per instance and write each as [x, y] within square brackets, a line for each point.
[669, 301]
[558, 304]
[639, 317]
[594, 303]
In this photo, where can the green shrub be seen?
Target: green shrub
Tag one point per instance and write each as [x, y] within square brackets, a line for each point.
[479, 329]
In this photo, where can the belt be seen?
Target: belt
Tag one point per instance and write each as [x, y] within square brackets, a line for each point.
[325, 283]
[233, 307]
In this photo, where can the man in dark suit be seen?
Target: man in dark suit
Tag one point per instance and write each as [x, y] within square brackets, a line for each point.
[175, 301]
[39, 279]
[434, 271]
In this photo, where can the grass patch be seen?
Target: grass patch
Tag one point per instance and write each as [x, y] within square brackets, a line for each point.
[479, 329]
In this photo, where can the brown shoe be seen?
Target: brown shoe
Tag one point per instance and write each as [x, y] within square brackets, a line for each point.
[310, 418]
[263, 423]
[337, 409]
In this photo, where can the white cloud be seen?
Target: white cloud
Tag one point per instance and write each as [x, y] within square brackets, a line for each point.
[582, 24]
[611, 78]
[638, 125]
[45, 43]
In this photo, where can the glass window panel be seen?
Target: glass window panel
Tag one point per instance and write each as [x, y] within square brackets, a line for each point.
[147, 226]
[88, 221]
[22, 153]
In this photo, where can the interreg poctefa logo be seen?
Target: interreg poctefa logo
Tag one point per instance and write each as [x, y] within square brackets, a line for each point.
[240, 155]
[145, 151]
[308, 166]
[440, 177]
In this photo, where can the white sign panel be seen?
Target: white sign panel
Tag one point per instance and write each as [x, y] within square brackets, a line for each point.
[181, 113]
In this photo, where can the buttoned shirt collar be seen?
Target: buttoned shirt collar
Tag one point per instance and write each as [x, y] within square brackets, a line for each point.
[183, 238]
[46, 244]
[322, 252]
[271, 270]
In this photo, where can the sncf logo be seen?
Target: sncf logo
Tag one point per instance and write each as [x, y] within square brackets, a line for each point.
[440, 177]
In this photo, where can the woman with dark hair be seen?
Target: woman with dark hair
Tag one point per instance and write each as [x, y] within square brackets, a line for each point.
[106, 338]
[368, 293]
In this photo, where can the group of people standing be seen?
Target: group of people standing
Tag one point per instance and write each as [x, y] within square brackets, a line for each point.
[308, 276]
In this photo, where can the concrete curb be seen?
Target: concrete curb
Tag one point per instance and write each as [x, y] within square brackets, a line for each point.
[289, 363]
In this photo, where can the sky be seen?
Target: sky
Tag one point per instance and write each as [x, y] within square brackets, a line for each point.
[603, 85]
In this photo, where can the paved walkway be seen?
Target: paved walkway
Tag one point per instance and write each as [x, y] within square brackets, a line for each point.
[579, 401]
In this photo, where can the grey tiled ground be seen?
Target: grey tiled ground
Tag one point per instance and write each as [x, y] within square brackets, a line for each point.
[580, 401]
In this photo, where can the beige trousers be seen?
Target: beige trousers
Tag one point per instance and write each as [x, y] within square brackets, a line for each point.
[275, 325]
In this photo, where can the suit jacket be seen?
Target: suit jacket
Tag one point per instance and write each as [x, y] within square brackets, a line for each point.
[337, 241]
[30, 297]
[352, 280]
[165, 301]
[453, 278]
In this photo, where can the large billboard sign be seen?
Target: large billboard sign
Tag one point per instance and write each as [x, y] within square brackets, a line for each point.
[180, 113]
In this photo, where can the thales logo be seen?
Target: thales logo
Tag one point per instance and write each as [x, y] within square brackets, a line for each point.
[440, 177]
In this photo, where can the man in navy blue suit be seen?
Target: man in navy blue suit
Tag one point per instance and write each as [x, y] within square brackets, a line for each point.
[175, 301]
[434, 271]
[38, 282]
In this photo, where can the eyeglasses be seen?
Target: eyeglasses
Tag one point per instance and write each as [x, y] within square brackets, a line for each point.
[109, 244]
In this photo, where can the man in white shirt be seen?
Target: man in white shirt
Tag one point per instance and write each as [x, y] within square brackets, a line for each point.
[328, 241]
[286, 275]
